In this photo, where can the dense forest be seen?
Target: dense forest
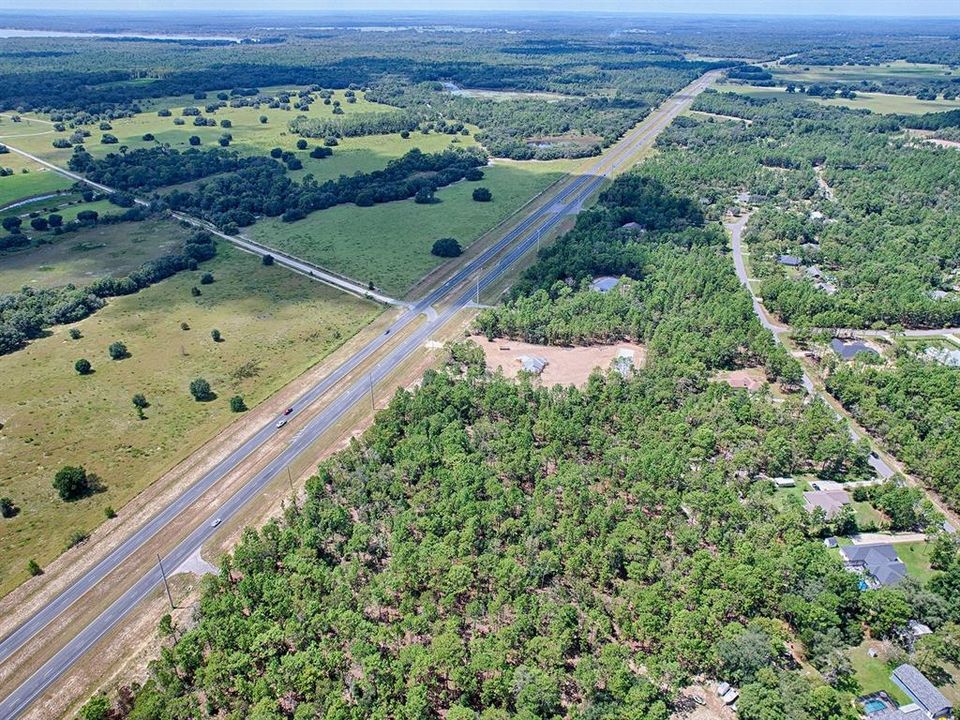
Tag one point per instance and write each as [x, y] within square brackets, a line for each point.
[871, 213]
[493, 549]
[26, 314]
[915, 408]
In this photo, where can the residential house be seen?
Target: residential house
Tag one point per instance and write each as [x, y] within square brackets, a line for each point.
[830, 501]
[604, 284]
[923, 693]
[879, 563]
[790, 260]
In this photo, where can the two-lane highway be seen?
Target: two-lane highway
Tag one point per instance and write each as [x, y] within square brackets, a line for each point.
[452, 296]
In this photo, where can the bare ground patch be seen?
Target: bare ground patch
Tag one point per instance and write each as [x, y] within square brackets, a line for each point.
[565, 365]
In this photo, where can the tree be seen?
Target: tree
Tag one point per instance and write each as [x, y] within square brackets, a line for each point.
[267, 260]
[276, 153]
[237, 404]
[7, 507]
[109, 513]
[109, 139]
[473, 174]
[39, 224]
[55, 220]
[482, 194]
[71, 482]
[83, 366]
[741, 657]
[301, 144]
[424, 196]
[118, 350]
[34, 568]
[215, 334]
[206, 278]
[200, 389]
[11, 223]
[96, 708]
[148, 137]
[194, 140]
[447, 248]
[75, 334]
[263, 119]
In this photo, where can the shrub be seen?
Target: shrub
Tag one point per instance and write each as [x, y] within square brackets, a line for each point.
[7, 507]
[75, 334]
[200, 389]
[473, 174]
[39, 224]
[117, 350]
[77, 537]
[206, 278]
[424, 196]
[263, 119]
[194, 140]
[237, 404]
[140, 401]
[108, 139]
[276, 153]
[55, 220]
[148, 137]
[447, 248]
[482, 194]
[34, 568]
[215, 334]
[109, 512]
[301, 144]
[71, 482]
[195, 291]
[267, 260]
[83, 366]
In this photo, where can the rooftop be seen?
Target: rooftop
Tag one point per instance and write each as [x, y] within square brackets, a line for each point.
[921, 690]
[604, 283]
[790, 260]
[881, 561]
[831, 501]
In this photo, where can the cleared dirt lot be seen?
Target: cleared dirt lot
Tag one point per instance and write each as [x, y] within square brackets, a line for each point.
[565, 365]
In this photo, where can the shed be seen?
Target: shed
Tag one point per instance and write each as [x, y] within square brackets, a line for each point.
[918, 629]
[784, 482]
[532, 363]
[790, 260]
[830, 542]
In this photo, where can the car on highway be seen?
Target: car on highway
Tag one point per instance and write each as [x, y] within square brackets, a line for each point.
[281, 422]
[288, 411]
[216, 521]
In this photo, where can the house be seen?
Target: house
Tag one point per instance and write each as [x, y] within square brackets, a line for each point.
[831, 542]
[790, 260]
[532, 363]
[813, 271]
[633, 227]
[849, 350]
[922, 692]
[604, 284]
[745, 381]
[879, 563]
[828, 287]
[950, 358]
[830, 501]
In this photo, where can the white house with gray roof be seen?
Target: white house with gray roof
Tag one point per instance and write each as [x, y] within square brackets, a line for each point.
[923, 693]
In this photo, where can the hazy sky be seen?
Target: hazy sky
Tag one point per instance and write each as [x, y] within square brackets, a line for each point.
[791, 7]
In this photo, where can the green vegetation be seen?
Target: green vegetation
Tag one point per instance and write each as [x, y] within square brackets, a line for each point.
[279, 325]
[390, 244]
[915, 408]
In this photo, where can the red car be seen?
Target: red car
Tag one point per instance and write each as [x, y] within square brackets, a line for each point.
[288, 411]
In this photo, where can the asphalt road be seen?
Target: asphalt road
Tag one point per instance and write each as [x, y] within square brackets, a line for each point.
[513, 245]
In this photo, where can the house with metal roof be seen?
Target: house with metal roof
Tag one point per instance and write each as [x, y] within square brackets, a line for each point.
[923, 693]
[790, 260]
[604, 284]
[532, 363]
[879, 563]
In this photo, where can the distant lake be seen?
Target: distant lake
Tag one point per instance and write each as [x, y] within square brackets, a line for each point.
[17, 33]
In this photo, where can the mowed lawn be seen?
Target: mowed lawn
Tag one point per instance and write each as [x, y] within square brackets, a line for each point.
[82, 257]
[275, 325]
[389, 244]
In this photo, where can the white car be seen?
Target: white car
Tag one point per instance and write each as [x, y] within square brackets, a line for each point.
[216, 521]
[281, 422]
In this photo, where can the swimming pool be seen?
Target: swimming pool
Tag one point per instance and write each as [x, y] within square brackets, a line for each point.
[874, 705]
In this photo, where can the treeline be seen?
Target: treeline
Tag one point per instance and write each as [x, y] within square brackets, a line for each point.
[147, 169]
[880, 252]
[26, 315]
[358, 125]
[261, 187]
[915, 408]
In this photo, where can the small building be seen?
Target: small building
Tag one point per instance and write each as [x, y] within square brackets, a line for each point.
[722, 689]
[917, 629]
[784, 482]
[950, 358]
[744, 380]
[813, 271]
[828, 287]
[532, 363]
[604, 284]
[831, 542]
[790, 260]
[633, 227]
[879, 563]
[848, 350]
[923, 693]
[830, 501]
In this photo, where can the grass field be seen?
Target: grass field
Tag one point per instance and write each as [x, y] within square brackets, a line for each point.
[82, 257]
[875, 102]
[389, 244]
[916, 556]
[275, 325]
[855, 73]
[873, 674]
[36, 182]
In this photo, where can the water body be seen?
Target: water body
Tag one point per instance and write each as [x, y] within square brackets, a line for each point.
[18, 33]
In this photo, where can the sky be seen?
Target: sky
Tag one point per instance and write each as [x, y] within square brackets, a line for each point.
[766, 7]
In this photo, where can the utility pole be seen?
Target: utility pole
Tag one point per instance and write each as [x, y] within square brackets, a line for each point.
[478, 286]
[290, 479]
[165, 584]
[372, 404]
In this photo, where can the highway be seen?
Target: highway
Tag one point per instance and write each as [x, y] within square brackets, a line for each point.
[455, 294]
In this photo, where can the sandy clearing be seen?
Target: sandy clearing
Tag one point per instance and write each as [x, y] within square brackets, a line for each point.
[565, 365]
